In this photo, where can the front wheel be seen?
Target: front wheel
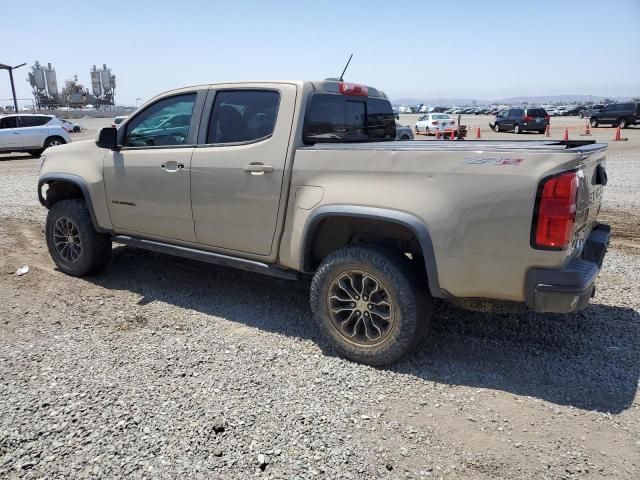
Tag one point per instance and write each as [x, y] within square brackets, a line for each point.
[371, 304]
[74, 245]
[594, 123]
[517, 129]
[496, 128]
[53, 141]
[622, 123]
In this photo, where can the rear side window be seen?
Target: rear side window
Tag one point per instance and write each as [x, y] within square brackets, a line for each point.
[243, 116]
[341, 118]
[537, 112]
[626, 106]
[516, 113]
[28, 121]
[8, 122]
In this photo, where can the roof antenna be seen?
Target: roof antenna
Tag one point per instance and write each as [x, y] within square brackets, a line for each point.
[346, 66]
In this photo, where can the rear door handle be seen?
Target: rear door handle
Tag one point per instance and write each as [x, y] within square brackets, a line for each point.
[258, 168]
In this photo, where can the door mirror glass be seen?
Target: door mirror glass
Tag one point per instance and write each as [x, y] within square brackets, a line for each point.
[108, 138]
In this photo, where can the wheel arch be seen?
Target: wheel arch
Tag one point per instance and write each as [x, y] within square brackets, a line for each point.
[403, 219]
[73, 186]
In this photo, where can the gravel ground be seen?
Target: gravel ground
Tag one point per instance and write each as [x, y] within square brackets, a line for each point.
[165, 368]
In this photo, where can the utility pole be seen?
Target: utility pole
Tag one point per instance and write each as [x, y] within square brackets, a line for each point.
[13, 87]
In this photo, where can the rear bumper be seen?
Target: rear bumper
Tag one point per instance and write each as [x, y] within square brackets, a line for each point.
[569, 289]
[534, 127]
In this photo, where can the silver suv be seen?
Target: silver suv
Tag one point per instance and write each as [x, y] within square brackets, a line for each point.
[31, 133]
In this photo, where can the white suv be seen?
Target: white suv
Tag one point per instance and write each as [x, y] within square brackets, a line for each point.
[31, 133]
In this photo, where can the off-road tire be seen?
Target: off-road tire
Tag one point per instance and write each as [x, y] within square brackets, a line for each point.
[594, 123]
[411, 300]
[95, 250]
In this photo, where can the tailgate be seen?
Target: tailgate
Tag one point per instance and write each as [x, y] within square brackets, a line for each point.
[592, 176]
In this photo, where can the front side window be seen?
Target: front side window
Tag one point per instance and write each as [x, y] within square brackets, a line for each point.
[240, 116]
[8, 122]
[165, 123]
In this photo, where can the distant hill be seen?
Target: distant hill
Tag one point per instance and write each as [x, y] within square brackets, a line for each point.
[569, 98]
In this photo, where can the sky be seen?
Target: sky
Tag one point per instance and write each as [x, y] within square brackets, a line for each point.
[464, 48]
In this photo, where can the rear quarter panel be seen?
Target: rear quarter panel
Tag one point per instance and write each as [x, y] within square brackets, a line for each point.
[476, 204]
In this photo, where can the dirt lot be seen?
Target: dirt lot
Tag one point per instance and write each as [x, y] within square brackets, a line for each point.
[162, 367]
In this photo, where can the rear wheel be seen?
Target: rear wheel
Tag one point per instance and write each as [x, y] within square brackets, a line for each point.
[496, 128]
[543, 131]
[622, 123]
[74, 245]
[517, 129]
[371, 304]
[594, 123]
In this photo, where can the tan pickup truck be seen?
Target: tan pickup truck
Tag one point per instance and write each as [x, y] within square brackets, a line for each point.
[306, 178]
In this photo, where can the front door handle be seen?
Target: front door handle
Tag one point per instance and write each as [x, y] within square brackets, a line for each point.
[257, 168]
[172, 166]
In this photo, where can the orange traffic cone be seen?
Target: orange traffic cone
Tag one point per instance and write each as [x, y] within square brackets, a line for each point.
[478, 133]
[566, 134]
[547, 133]
[617, 137]
[587, 130]
[453, 135]
[437, 133]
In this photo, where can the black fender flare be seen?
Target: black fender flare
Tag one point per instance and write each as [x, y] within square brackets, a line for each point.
[405, 219]
[78, 182]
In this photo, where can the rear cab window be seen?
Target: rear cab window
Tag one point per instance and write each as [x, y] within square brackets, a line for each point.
[342, 118]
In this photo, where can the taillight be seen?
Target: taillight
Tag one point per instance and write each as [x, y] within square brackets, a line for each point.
[434, 122]
[556, 212]
[353, 89]
[527, 118]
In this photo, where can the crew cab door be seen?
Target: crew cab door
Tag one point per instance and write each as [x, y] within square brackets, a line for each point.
[147, 180]
[10, 134]
[237, 169]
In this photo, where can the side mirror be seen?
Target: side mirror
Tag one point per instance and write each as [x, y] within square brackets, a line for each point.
[108, 138]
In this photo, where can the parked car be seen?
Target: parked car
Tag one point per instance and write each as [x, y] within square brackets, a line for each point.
[616, 114]
[428, 124]
[403, 133]
[31, 133]
[382, 228]
[521, 120]
[552, 112]
[70, 126]
[575, 110]
[118, 120]
[586, 112]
